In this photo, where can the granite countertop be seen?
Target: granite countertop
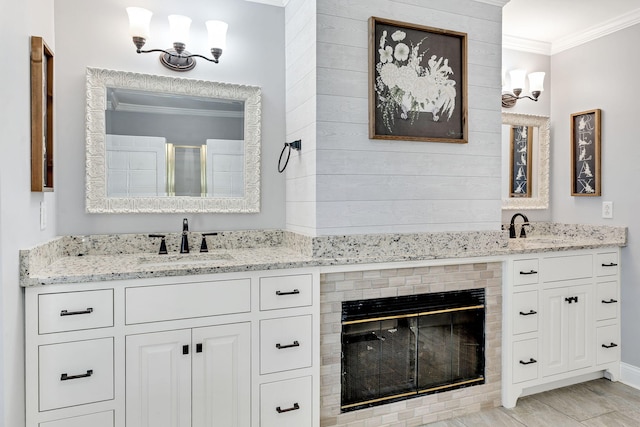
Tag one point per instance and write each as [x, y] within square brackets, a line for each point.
[77, 259]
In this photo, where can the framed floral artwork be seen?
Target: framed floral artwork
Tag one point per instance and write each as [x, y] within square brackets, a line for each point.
[417, 82]
[520, 161]
[585, 153]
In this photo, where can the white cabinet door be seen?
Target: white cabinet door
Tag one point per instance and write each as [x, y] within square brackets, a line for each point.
[222, 376]
[158, 380]
[567, 329]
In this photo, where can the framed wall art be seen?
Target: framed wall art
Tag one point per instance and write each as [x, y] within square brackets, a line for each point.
[417, 82]
[585, 153]
[41, 115]
[520, 161]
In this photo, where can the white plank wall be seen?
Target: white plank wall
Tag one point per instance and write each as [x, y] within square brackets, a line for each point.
[375, 186]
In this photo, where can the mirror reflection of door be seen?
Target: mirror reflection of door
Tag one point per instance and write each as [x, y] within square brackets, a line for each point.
[186, 170]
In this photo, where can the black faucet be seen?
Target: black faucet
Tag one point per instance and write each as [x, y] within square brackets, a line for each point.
[184, 244]
[512, 226]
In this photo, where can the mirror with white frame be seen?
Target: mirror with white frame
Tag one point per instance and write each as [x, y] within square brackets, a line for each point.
[166, 144]
[539, 179]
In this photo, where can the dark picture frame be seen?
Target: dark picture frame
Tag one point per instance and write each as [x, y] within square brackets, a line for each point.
[417, 82]
[520, 161]
[41, 115]
[585, 153]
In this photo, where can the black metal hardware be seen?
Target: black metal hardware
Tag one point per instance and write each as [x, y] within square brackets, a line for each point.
[531, 360]
[294, 292]
[65, 377]
[612, 345]
[529, 313]
[528, 272]
[163, 244]
[203, 245]
[295, 407]
[295, 344]
[89, 310]
[184, 242]
[571, 299]
[295, 145]
[611, 264]
[611, 301]
[185, 349]
[198, 348]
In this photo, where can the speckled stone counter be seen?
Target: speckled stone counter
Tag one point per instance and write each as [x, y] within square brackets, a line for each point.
[75, 259]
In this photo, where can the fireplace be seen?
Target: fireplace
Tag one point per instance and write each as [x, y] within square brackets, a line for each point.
[404, 347]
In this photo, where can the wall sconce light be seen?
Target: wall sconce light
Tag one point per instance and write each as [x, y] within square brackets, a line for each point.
[176, 58]
[536, 86]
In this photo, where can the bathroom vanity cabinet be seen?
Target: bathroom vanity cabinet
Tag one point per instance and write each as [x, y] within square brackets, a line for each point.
[234, 350]
[561, 319]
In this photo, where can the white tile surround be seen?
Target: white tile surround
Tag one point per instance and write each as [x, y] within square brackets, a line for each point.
[338, 287]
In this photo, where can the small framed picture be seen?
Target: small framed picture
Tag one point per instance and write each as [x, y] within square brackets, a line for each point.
[41, 115]
[585, 153]
[417, 82]
[520, 161]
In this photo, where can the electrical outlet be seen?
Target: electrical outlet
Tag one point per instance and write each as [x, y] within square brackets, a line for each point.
[43, 215]
[607, 209]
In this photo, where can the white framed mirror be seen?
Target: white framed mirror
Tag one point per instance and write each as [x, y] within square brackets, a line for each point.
[134, 122]
[538, 197]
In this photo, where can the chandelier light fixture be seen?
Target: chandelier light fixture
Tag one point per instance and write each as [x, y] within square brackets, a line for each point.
[176, 58]
[536, 87]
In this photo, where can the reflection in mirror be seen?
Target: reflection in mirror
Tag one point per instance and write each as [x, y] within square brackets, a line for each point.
[537, 159]
[165, 144]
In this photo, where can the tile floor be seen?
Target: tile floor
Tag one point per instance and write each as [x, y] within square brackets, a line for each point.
[597, 403]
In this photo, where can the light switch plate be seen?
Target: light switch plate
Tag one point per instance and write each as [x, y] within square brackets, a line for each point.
[607, 209]
[43, 215]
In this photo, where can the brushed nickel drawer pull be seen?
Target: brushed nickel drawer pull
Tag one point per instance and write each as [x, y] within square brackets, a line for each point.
[611, 301]
[612, 345]
[531, 360]
[65, 377]
[295, 407]
[295, 344]
[73, 313]
[294, 292]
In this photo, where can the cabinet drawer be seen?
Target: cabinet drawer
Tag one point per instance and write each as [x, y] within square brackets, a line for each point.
[608, 342]
[285, 344]
[286, 403]
[75, 373]
[286, 291]
[525, 272]
[187, 300]
[525, 312]
[607, 264]
[567, 267]
[525, 360]
[101, 419]
[607, 303]
[72, 311]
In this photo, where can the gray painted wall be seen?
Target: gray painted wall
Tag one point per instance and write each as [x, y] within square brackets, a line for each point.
[376, 186]
[96, 34]
[19, 207]
[603, 74]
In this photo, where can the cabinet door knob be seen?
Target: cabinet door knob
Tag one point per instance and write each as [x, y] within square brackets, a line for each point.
[293, 292]
[611, 301]
[531, 360]
[295, 344]
[89, 310]
[528, 272]
[295, 407]
[529, 313]
[66, 377]
[612, 345]
[611, 264]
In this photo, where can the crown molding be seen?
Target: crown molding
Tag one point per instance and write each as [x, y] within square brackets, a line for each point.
[280, 3]
[526, 45]
[597, 31]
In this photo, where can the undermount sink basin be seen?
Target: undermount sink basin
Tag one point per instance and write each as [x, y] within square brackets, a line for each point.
[183, 259]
